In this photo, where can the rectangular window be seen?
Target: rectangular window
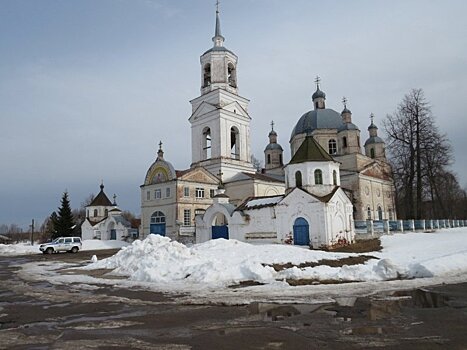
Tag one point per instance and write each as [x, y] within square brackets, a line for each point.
[199, 192]
[211, 193]
[157, 194]
[186, 192]
[187, 217]
[167, 192]
[148, 195]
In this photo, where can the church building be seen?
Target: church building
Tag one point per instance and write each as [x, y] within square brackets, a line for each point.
[312, 200]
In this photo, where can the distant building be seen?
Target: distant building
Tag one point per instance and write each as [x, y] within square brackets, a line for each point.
[104, 220]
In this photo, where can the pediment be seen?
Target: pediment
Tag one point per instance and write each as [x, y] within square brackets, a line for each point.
[236, 108]
[376, 170]
[298, 195]
[202, 109]
[199, 175]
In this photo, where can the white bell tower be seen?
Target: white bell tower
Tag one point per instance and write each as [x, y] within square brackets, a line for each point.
[220, 124]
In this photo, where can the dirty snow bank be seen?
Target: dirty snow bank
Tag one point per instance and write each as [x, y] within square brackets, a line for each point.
[25, 249]
[222, 262]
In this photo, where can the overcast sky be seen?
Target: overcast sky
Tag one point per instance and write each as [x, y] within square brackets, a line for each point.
[89, 87]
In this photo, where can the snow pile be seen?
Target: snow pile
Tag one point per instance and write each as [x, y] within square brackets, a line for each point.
[222, 262]
[91, 244]
[96, 244]
[158, 259]
[18, 249]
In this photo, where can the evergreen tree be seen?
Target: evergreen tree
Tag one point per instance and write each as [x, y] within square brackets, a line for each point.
[64, 222]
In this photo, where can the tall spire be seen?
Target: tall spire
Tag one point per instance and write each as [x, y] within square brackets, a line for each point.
[218, 39]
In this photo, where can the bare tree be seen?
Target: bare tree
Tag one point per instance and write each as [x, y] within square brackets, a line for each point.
[258, 164]
[419, 154]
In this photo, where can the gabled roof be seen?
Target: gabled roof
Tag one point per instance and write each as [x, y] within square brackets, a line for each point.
[101, 199]
[310, 151]
[262, 177]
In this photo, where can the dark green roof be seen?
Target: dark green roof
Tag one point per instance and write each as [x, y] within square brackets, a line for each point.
[310, 151]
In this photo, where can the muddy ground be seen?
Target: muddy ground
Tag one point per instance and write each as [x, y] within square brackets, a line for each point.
[39, 315]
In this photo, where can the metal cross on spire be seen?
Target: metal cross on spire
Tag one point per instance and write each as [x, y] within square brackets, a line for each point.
[344, 101]
[217, 6]
[372, 116]
[272, 125]
[160, 145]
[317, 81]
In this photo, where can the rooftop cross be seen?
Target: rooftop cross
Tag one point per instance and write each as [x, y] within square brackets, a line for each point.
[160, 145]
[272, 125]
[317, 81]
[344, 101]
[372, 116]
[217, 6]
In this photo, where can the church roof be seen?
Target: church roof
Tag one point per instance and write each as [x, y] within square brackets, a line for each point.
[374, 139]
[347, 126]
[262, 177]
[219, 49]
[273, 146]
[101, 199]
[318, 93]
[310, 151]
[260, 202]
[324, 118]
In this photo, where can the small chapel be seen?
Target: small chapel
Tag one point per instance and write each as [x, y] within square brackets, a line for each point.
[313, 200]
[104, 220]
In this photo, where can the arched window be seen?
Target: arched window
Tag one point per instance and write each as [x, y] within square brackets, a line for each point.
[318, 177]
[344, 142]
[368, 213]
[280, 159]
[269, 159]
[207, 75]
[372, 152]
[334, 177]
[206, 143]
[332, 146]
[106, 212]
[231, 75]
[380, 213]
[95, 212]
[298, 179]
[158, 218]
[358, 141]
[390, 214]
[234, 143]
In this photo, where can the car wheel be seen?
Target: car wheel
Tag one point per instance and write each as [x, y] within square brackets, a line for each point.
[49, 250]
[74, 250]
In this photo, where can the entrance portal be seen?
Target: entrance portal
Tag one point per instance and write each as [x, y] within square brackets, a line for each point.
[301, 234]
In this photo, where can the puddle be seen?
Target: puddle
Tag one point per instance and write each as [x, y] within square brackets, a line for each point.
[279, 312]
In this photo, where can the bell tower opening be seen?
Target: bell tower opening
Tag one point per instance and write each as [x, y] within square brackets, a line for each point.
[234, 143]
[206, 143]
[232, 75]
[207, 75]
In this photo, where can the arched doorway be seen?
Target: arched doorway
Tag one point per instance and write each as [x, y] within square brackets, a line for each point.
[220, 228]
[157, 226]
[301, 232]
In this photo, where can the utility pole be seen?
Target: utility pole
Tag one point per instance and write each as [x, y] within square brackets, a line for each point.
[32, 232]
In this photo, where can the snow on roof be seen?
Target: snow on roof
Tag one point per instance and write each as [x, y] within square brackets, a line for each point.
[260, 202]
[264, 201]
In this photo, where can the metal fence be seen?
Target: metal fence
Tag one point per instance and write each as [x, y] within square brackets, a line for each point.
[378, 227]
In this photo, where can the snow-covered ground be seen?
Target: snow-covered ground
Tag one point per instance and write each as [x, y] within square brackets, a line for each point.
[220, 263]
[204, 272]
[24, 248]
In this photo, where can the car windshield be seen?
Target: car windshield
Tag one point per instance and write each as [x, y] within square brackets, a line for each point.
[55, 241]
